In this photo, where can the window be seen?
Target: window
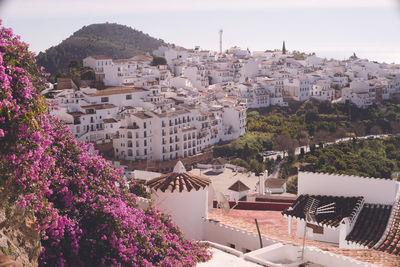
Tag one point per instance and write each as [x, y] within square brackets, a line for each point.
[104, 99]
[128, 97]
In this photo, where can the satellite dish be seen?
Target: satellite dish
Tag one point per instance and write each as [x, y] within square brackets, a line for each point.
[223, 203]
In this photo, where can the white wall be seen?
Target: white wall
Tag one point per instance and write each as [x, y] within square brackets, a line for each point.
[187, 209]
[375, 191]
[329, 259]
[330, 235]
[272, 255]
[225, 235]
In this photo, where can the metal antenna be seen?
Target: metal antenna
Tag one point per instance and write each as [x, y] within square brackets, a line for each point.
[220, 41]
[311, 210]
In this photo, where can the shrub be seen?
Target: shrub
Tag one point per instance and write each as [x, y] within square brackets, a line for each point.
[85, 214]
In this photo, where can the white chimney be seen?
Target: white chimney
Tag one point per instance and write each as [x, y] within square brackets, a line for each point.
[261, 183]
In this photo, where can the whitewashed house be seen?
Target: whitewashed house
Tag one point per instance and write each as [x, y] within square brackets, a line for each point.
[344, 209]
[185, 197]
[322, 91]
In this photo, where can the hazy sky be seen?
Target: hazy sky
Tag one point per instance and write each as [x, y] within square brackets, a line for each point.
[331, 28]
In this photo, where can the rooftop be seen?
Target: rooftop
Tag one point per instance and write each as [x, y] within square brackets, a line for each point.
[99, 106]
[118, 90]
[274, 226]
[142, 115]
[239, 186]
[221, 258]
[178, 180]
[370, 225]
[100, 57]
[274, 183]
[391, 244]
[344, 207]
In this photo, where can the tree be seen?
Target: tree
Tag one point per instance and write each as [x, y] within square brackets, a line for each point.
[375, 130]
[358, 128]
[395, 125]
[322, 136]
[291, 186]
[74, 64]
[303, 138]
[158, 61]
[284, 143]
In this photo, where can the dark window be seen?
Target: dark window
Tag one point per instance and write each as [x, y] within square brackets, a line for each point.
[104, 99]
[128, 97]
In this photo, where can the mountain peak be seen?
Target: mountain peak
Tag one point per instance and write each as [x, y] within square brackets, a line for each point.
[109, 39]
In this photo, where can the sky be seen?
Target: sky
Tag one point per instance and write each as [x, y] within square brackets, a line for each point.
[330, 28]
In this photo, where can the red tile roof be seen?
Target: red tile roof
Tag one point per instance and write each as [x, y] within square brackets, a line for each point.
[276, 228]
[274, 183]
[99, 106]
[391, 244]
[117, 90]
[370, 225]
[345, 207]
[219, 161]
[100, 57]
[239, 186]
[178, 180]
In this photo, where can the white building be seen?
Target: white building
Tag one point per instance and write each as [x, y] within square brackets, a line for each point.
[184, 196]
[322, 91]
[342, 208]
[298, 89]
[98, 63]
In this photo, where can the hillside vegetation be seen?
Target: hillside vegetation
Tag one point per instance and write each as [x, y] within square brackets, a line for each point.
[371, 158]
[108, 39]
[311, 122]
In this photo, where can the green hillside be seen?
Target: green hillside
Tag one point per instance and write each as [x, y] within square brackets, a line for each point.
[109, 39]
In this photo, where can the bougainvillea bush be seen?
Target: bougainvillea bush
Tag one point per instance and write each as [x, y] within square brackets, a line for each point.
[85, 214]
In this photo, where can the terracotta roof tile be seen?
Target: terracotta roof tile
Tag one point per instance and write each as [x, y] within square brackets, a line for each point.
[370, 225]
[274, 183]
[219, 161]
[345, 207]
[391, 244]
[100, 57]
[239, 186]
[179, 180]
[277, 229]
[99, 106]
[117, 90]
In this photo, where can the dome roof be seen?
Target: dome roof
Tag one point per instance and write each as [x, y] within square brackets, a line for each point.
[178, 180]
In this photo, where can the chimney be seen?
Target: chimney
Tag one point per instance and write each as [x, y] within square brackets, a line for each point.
[261, 181]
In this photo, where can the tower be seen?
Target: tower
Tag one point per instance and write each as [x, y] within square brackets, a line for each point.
[220, 41]
[283, 48]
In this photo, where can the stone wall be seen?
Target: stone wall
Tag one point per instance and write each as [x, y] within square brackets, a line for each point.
[19, 238]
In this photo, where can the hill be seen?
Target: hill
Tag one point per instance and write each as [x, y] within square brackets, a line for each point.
[109, 39]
